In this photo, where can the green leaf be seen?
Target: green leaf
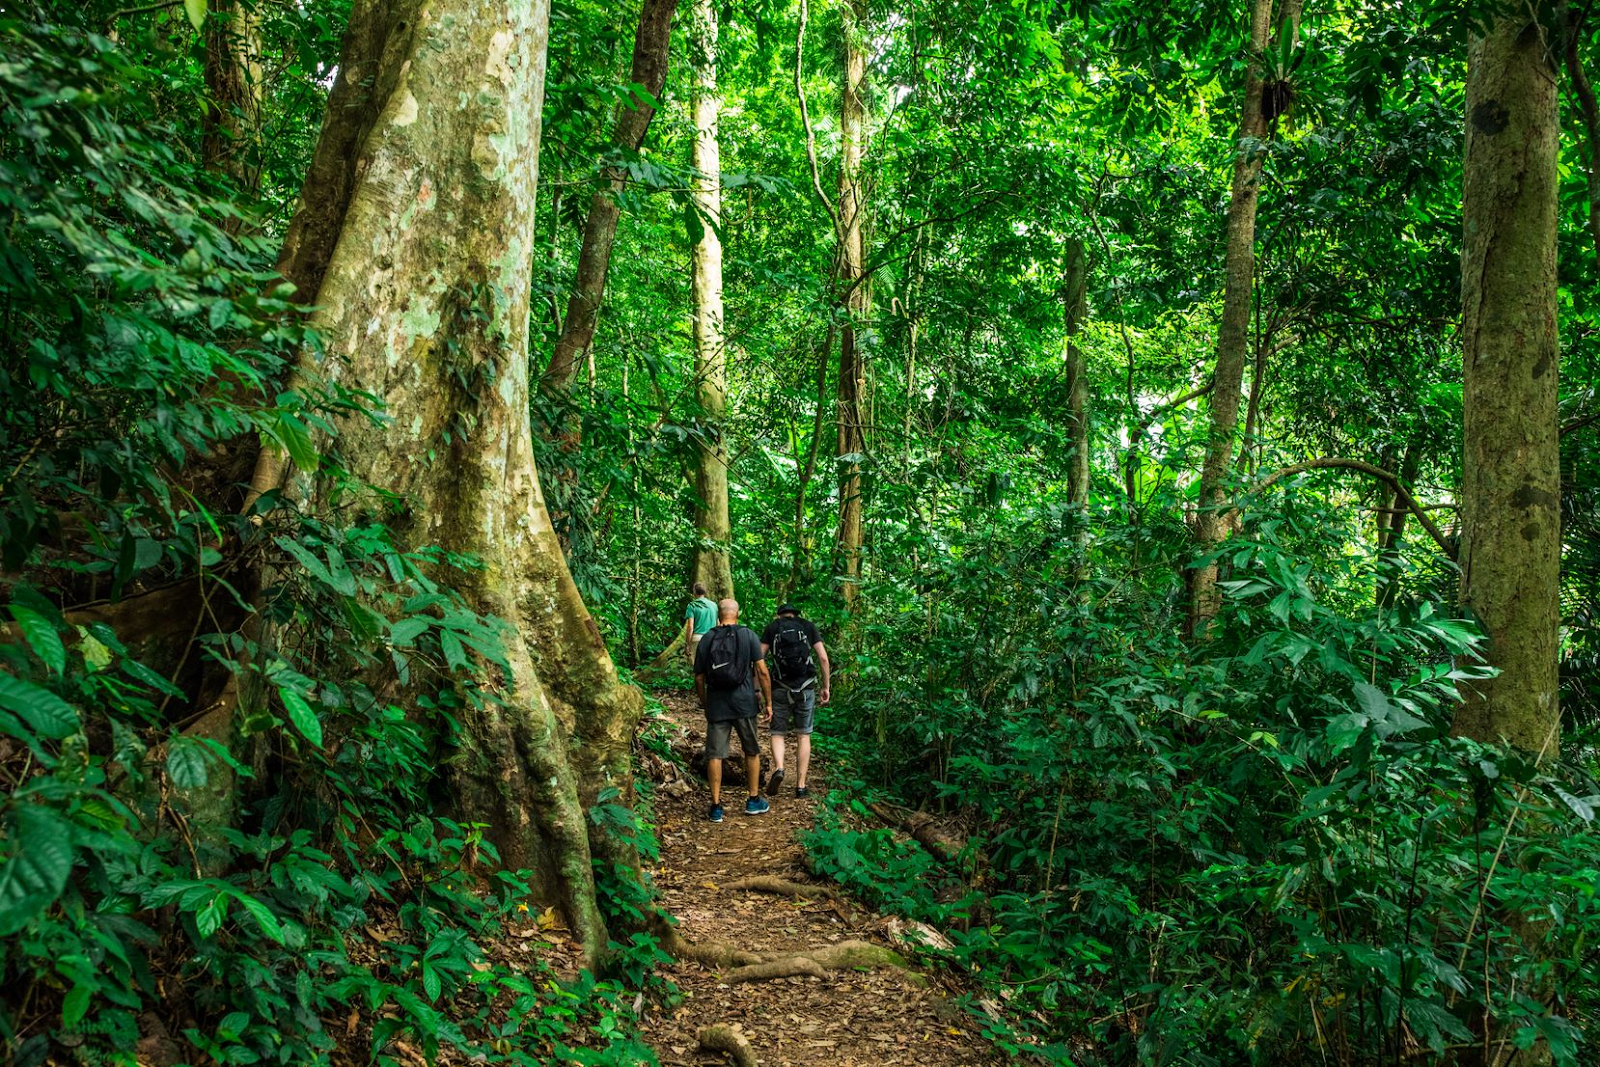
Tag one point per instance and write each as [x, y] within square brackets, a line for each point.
[196, 10]
[208, 920]
[46, 713]
[75, 1005]
[297, 441]
[41, 636]
[308, 560]
[430, 982]
[96, 656]
[404, 632]
[454, 654]
[186, 763]
[301, 714]
[37, 871]
[263, 916]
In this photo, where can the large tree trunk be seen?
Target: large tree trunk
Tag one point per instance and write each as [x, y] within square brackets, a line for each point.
[712, 529]
[1212, 523]
[1510, 519]
[1076, 298]
[428, 286]
[853, 284]
[650, 53]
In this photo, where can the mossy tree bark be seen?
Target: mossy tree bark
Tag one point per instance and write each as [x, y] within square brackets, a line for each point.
[650, 53]
[423, 302]
[713, 531]
[1213, 522]
[852, 281]
[1510, 516]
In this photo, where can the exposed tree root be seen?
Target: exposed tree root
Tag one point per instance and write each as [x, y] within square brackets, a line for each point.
[724, 1037]
[846, 955]
[944, 847]
[709, 953]
[787, 967]
[780, 887]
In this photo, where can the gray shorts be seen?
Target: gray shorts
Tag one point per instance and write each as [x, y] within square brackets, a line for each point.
[794, 711]
[717, 734]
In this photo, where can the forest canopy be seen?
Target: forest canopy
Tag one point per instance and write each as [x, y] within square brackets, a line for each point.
[1180, 421]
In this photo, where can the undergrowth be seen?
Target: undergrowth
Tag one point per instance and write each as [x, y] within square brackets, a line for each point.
[1268, 851]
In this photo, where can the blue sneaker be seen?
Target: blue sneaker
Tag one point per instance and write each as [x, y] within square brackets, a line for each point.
[715, 814]
[756, 806]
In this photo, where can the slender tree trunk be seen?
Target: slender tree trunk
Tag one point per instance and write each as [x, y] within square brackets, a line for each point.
[1076, 297]
[1392, 527]
[712, 528]
[1233, 334]
[1510, 516]
[650, 54]
[231, 123]
[424, 303]
[851, 261]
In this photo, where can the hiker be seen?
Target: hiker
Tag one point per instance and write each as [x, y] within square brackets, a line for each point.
[698, 619]
[794, 648]
[729, 663]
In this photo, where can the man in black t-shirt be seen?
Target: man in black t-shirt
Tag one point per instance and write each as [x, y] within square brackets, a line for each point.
[794, 648]
[727, 668]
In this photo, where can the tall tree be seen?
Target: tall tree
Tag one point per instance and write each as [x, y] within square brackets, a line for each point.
[650, 54]
[852, 282]
[1075, 296]
[712, 529]
[232, 118]
[423, 303]
[1510, 493]
[1260, 108]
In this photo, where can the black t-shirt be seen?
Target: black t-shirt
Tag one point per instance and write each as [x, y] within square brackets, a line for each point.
[726, 705]
[769, 637]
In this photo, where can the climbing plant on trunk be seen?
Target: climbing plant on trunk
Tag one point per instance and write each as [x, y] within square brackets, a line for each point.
[856, 300]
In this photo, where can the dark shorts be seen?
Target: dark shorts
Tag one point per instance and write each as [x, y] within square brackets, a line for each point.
[717, 734]
[793, 711]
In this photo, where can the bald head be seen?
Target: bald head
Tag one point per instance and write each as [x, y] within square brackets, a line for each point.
[728, 610]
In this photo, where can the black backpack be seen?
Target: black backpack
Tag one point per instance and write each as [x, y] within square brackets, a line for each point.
[726, 666]
[791, 653]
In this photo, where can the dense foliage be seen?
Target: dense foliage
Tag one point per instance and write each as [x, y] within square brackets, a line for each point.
[226, 720]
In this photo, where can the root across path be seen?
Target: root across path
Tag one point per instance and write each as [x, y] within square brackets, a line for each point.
[815, 978]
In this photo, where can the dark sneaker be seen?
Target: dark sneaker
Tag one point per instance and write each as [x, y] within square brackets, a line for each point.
[715, 814]
[801, 792]
[774, 782]
[756, 806]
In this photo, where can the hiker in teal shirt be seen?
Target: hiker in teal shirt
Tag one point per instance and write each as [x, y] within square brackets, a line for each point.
[698, 619]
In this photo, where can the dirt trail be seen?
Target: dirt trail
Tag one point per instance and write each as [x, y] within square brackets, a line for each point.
[848, 1018]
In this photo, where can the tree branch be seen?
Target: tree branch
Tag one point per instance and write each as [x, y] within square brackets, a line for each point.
[1393, 480]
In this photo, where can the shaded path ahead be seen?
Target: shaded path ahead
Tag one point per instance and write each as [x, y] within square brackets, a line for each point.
[848, 1018]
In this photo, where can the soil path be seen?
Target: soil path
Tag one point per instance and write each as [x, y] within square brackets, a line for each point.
[848, 1018]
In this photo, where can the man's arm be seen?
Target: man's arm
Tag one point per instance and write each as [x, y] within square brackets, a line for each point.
[827, 672]
[764, 681]
[700, 689]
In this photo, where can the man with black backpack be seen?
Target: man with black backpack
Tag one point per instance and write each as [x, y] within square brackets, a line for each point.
[796, 650]
[726, 669]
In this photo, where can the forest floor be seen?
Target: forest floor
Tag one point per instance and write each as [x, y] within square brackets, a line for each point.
[848, 1017]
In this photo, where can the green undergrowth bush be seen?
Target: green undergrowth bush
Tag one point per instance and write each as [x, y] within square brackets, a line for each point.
[218, 839]
[1266, 851]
